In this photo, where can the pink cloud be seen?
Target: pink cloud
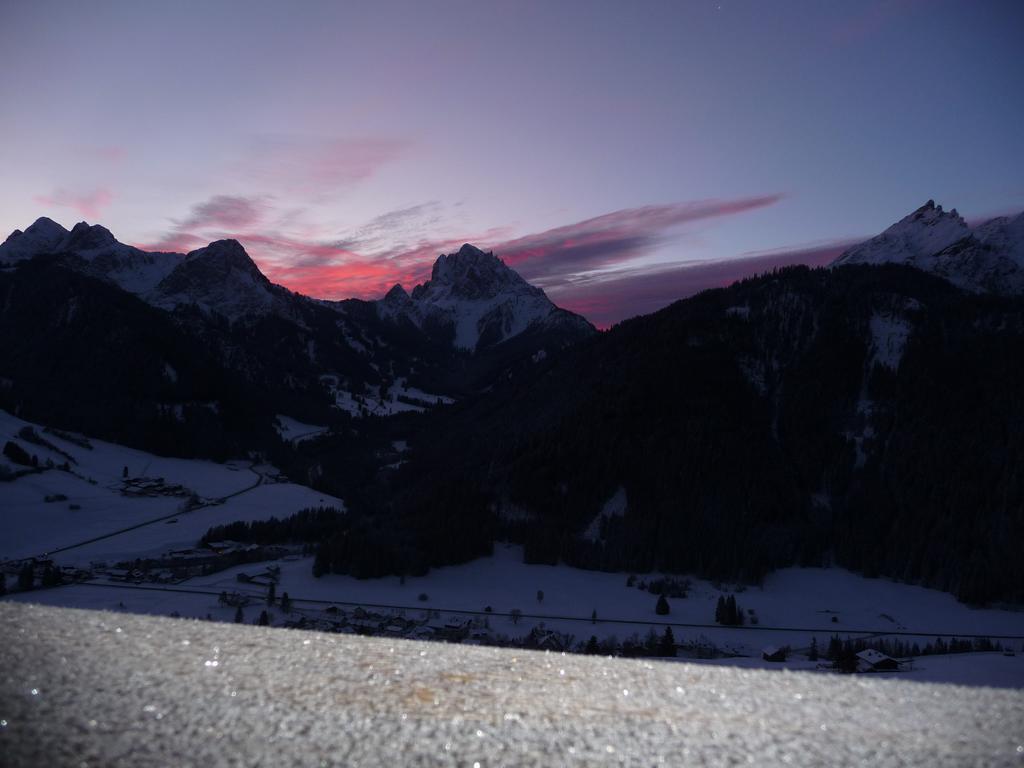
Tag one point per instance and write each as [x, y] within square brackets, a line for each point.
[550, 258]
[88, 204]
[567, 260]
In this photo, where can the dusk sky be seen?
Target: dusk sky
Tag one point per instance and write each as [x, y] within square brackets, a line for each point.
[620, 155]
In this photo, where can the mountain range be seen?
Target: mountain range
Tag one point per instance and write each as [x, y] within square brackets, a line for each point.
[189, 336]
[866, 414]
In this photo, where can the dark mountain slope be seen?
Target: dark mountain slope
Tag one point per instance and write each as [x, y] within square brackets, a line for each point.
[870, 415]
[321, 362]
[79, 353]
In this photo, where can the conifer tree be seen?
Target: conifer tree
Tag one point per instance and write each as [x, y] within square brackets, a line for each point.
[668, 643]
[662, 607]
[264, 620]
[592, 647]
[812, 655]
[26, 577]
[272, 593]
[239, 615]
[835, 649]
[286, 603]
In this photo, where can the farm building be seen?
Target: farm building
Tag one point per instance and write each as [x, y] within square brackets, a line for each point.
[870, 660]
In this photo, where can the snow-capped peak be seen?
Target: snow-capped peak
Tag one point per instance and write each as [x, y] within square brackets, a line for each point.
[218, 278]
[84, 237]
[91, 249]
[471, 274]
[477, 295]
[42, 237]
[988, 258]
[920, 235]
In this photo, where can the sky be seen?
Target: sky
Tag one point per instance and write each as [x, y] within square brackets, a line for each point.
[619, 155]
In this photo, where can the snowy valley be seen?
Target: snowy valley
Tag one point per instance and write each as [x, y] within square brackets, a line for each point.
[112, 528]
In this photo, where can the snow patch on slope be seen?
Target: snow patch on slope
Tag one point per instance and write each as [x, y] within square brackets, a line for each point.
[295, 431]
[889, 334]
[615, 507]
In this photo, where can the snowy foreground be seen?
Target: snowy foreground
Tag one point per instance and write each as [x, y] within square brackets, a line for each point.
[91, 688]
[793, 607]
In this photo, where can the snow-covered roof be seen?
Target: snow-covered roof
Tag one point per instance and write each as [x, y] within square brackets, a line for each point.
[871, 656]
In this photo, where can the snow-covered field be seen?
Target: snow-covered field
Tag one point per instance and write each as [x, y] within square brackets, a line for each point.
[95, 504]
[804, 600]
[296, 431]
[793, 606]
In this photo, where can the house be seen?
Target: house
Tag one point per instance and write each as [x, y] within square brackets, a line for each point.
[553, 641]
[870, 660]
[774, 653]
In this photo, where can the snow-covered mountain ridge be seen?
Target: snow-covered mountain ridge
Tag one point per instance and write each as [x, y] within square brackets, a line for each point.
[93, 250]
[471, 297]
[480, 298]
[986, 258]
[219, 278]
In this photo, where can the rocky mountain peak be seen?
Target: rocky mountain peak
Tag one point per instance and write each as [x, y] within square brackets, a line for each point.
[988, 258]
[42, 237]
[221, 258]
[86, 237]
[397, 295]
[471, 274]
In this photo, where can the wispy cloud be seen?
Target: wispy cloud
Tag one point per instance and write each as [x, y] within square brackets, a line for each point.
[88, 204]
[606, 299]
[224, 211]
[594, 266]
[315, 166]
[212, 219]
[551, 257]
[372, 258]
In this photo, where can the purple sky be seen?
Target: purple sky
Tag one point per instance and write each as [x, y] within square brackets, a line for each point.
[620, 155]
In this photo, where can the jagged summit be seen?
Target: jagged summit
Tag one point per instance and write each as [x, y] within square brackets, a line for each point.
[472, 274]
[481, 299]
[219, 278]
[86, 237]
[988, 258]
[918, 235]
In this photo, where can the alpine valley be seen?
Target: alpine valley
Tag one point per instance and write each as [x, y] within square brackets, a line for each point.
[867, 415]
